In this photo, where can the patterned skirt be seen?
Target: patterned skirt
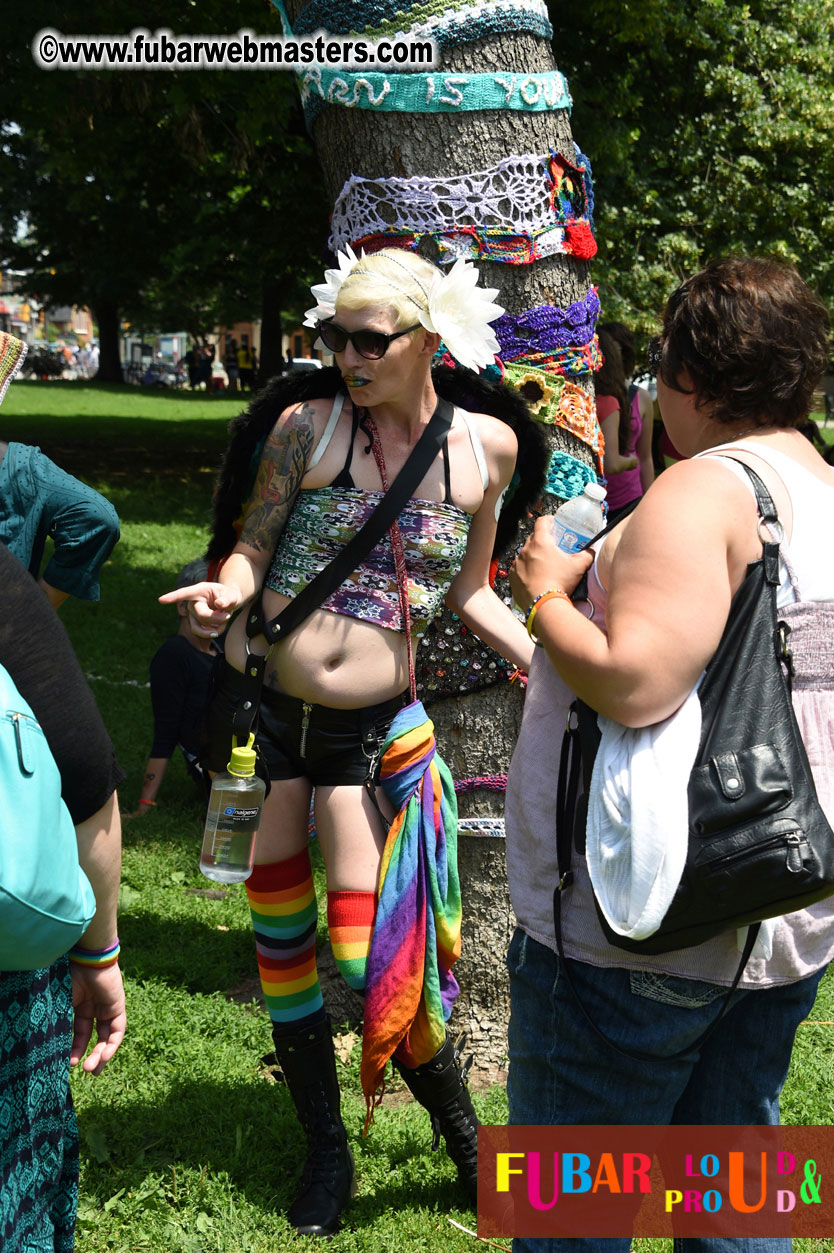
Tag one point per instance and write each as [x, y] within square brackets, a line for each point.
[38, 1133]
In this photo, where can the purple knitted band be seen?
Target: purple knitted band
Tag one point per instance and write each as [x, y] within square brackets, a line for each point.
[546, 328]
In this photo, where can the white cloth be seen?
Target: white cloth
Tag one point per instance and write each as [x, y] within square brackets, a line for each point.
[638, 817]
[638, 822]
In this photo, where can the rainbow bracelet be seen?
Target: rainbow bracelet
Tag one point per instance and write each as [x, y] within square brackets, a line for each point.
[95, 958]
[553, 593]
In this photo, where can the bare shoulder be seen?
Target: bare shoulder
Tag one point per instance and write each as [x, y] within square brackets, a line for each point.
[644, 399]
[306, 419]
[696, 483]
[691, 505]
[498, 438]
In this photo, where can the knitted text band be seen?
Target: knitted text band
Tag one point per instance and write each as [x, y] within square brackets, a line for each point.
[556, 401]
[567, 477]
[547, 328]
[447, 22]
[523, 195]
[431, 93]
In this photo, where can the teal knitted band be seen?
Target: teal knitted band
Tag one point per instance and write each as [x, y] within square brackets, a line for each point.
[567, 476]
[432, 93]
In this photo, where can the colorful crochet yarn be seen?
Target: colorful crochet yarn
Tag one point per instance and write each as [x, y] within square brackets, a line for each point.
[431, 93]
[583, 165]
[485, 244]
[489, 782]
[547, 328]
[556, 401]
[12, 352]
[485, 826]
[567, 477]
[522, 195]
[573, 359]
[447, 22]
[573, 201]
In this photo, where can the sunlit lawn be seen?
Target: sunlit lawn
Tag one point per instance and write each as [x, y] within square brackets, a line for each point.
[187, 1144]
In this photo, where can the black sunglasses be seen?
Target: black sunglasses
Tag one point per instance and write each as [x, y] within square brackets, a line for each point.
[654, 355]
[369, 344]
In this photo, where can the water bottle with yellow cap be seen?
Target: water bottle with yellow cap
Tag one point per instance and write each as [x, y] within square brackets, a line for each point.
[233, 818]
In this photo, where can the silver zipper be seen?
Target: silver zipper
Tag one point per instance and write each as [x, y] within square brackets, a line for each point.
[305, 723]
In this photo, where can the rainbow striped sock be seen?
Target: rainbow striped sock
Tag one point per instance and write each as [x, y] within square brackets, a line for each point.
[282, 900]
[350, 920]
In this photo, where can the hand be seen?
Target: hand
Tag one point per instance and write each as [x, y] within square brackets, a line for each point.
[210, 605]
[98, 997]
[541, 565]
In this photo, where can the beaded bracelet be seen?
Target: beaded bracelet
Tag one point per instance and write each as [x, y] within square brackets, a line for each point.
[553, 593]
[95, 958]
[442, 92]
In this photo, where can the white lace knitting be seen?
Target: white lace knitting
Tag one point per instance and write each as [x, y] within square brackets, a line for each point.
[516, 195]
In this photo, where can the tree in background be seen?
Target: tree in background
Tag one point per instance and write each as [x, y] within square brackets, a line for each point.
[156, 195]
[543, 267]
[712, 132]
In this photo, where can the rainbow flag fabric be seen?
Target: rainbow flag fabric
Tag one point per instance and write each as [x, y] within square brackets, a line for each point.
[410, 988]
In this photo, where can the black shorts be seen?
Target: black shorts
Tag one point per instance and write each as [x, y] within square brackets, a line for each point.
[327, 746]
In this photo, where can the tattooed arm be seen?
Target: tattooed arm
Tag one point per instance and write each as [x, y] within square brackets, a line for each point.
[281, 469]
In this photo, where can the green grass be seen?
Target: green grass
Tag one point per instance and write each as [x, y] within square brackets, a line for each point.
[187, 1144]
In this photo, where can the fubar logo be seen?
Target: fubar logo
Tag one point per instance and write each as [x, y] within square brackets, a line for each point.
[730, 1182]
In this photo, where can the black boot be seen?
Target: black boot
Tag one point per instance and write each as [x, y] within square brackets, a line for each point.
[440, 1086]
[309, 1066]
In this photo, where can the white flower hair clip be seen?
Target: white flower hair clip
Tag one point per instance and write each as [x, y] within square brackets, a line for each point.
[457, 309]
[460, 313]
[325, 293]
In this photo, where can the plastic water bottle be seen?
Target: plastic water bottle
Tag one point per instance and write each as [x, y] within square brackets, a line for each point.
[233, 818]
[580, 519]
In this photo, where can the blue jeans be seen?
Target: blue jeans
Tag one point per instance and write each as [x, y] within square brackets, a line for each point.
[560, 1072]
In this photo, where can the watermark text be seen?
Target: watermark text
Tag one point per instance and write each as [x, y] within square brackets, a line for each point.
[162, 50]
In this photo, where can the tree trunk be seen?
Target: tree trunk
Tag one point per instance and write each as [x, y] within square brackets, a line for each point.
[476, 733]
[109, 360]
[271, 360]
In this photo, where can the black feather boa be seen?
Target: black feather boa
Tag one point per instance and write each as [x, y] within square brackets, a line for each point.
[459, 386]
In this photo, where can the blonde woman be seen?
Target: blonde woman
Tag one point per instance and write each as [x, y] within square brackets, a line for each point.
[334, 686]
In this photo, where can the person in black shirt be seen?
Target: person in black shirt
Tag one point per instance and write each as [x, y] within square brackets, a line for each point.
[180, 674]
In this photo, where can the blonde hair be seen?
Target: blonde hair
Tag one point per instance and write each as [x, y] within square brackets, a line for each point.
[394, 278]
